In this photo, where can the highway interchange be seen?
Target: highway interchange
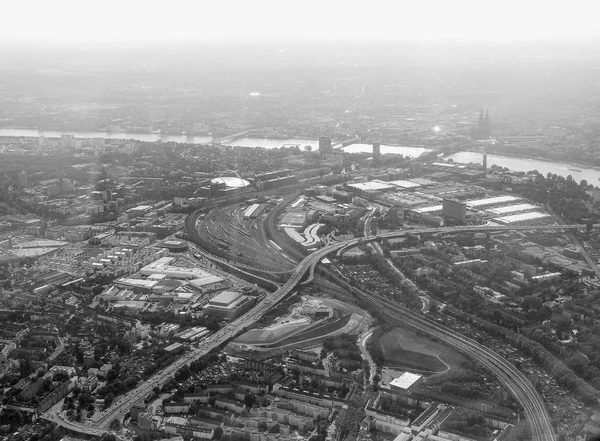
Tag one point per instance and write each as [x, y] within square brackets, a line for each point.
[514, 380]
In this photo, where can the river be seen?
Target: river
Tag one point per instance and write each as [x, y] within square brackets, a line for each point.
[267, 143]
[514, 163]
[146, 137]
[411, 152]
[511, 162]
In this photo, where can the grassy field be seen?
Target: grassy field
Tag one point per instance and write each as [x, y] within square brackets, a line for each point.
[404, 348]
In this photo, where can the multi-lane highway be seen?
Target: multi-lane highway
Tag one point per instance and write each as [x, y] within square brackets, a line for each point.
[514, 380]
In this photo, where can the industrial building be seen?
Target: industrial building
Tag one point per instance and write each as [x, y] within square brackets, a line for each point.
[429, 209]
[325, 147]
[512, 208]
[405, 183]
[376, 151]
[278, 182]
[492, 201]
[229, 304]
[454, 209]
[405, 381]
[273, 175]
[415, 170]
[370, 186]
[522, 217]
[254, 210]
[164, 266]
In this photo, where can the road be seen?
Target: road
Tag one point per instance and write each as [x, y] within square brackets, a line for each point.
[529, 399]
[535, 409]
[81, 428]
[578, 244]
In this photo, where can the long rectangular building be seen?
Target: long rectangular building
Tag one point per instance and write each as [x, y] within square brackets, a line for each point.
[492, 201]
[253, 211]
[513, 208]
[522, 217]
[229, 304]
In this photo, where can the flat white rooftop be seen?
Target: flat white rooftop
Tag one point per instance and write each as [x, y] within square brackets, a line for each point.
[141, 208]
[163, 266]
[513, 208]
[405, 184]
[142, 283]
[422, 181]
[492, 201]
[205, 281]
[406, 380]
[522, 217]
[429, 209]
[372, 185]
[226, 298]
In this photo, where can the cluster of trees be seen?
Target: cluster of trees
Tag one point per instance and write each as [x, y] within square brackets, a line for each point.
[561, 373]
[49, 432]
[472, 391]
[374, 345]
[198, 366]
[320, 432]
[583, 365]
[565, 196]
[390, 220]
[354, 226]
[115, 386]
[79, 403]
[407, 298]
[468, 423]
[473, 381]
[155, 318]
[13, 418]
[28, 355]
[343, 345]
[389, 405]
[312, 384]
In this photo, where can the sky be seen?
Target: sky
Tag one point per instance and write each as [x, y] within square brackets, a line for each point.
[111, 21]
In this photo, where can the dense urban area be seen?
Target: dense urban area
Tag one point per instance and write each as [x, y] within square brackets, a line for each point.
[298, 256]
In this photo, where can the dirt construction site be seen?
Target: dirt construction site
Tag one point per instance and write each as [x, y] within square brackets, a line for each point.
[304, 323]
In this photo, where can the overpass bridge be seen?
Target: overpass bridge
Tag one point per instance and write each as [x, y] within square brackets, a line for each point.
[514, 379]
[346, 143]
[229, 138]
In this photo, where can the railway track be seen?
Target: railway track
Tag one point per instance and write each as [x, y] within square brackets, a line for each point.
[517, 383]
[535, 410]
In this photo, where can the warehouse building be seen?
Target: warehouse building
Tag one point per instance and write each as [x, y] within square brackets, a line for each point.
[229, 304]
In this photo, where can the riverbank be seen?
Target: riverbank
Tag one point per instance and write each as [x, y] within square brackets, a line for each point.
[544, 166]
[573, 164]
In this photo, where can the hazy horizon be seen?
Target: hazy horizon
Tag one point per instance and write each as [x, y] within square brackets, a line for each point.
[132, 22]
